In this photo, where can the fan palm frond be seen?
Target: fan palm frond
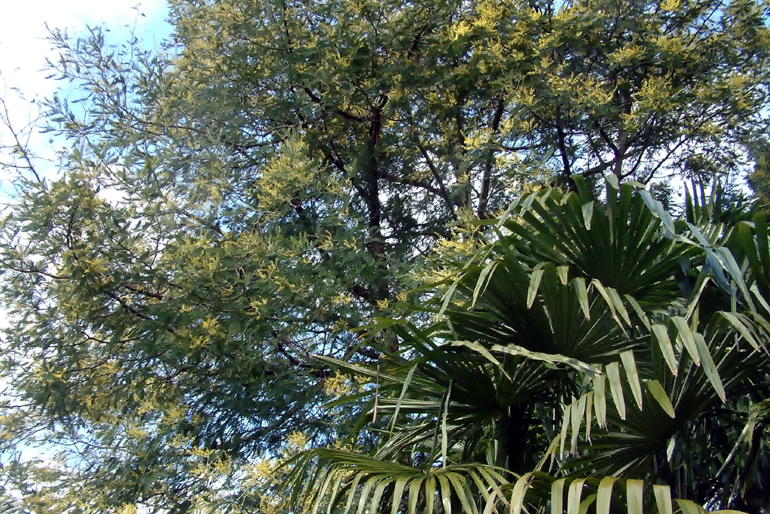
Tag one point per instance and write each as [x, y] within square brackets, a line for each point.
[611, 340]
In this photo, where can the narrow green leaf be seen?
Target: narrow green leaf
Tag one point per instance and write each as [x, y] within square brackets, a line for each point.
[740, 327]
[760, 228]
[563, 272]
[600, 401]
[662, 498]
[477, 347]
[460, 485]
[448, 296]
[761, 299]
[414, 495]
[586, 504]
[616, 388]
[619, 305]
[709, 367]
[638, 310]
[564, 428]
[582, 188]
[629, 363]
[661, 334]
[735, 273]
[401, 397]
[365, 494]
[353, 488]
[604, 495]
[573, 496]
[550, 454]
[557, 496]
[377, 496]
[479, 483]
[534, 284]
[687, 338]
[576, 419]
[494, 480]
[398, 493]
[490, 505]
[699, 235]
[635, 496]
[657, 210]
[671, 447]
[588, 213]
[690, 507]
[661, 397]
[444, 437]
[519, 490]
[507, 213]
[579, 365]
[608, 300]
[430, 494]
[744, 235]
[582, 295]
[700, 286]
[484, 277]
[335, 490]
[589, 414]
[527, 202]
[446, 493]
[322, 491]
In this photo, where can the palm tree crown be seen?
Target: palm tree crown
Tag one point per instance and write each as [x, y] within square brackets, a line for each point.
[590, 349]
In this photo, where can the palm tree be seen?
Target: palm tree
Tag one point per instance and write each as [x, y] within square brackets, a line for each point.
[592, 348]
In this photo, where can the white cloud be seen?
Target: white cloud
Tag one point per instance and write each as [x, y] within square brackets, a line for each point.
[23, 52]
[23, 44]
[24, 49]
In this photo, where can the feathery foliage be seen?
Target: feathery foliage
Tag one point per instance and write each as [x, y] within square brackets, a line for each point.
[282, 172]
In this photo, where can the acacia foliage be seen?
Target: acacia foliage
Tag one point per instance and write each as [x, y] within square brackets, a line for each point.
[274, 177]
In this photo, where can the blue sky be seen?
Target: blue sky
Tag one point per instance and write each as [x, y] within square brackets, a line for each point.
[23, 53]
[24, 49]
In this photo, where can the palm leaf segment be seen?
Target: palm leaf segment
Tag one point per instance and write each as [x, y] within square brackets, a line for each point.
[346, 482]
[578, 301]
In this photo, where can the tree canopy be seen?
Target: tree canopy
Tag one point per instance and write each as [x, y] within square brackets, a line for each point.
[281, 173]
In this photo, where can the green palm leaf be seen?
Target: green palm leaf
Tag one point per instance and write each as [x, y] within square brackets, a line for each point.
[580, 301]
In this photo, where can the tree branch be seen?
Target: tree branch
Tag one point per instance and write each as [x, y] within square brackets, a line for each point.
[344, 114]
[487, 177]
[442, 187]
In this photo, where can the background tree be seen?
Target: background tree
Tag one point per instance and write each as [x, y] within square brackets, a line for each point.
[275, 177]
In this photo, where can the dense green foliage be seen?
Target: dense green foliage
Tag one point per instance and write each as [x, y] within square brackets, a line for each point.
[282, 172]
